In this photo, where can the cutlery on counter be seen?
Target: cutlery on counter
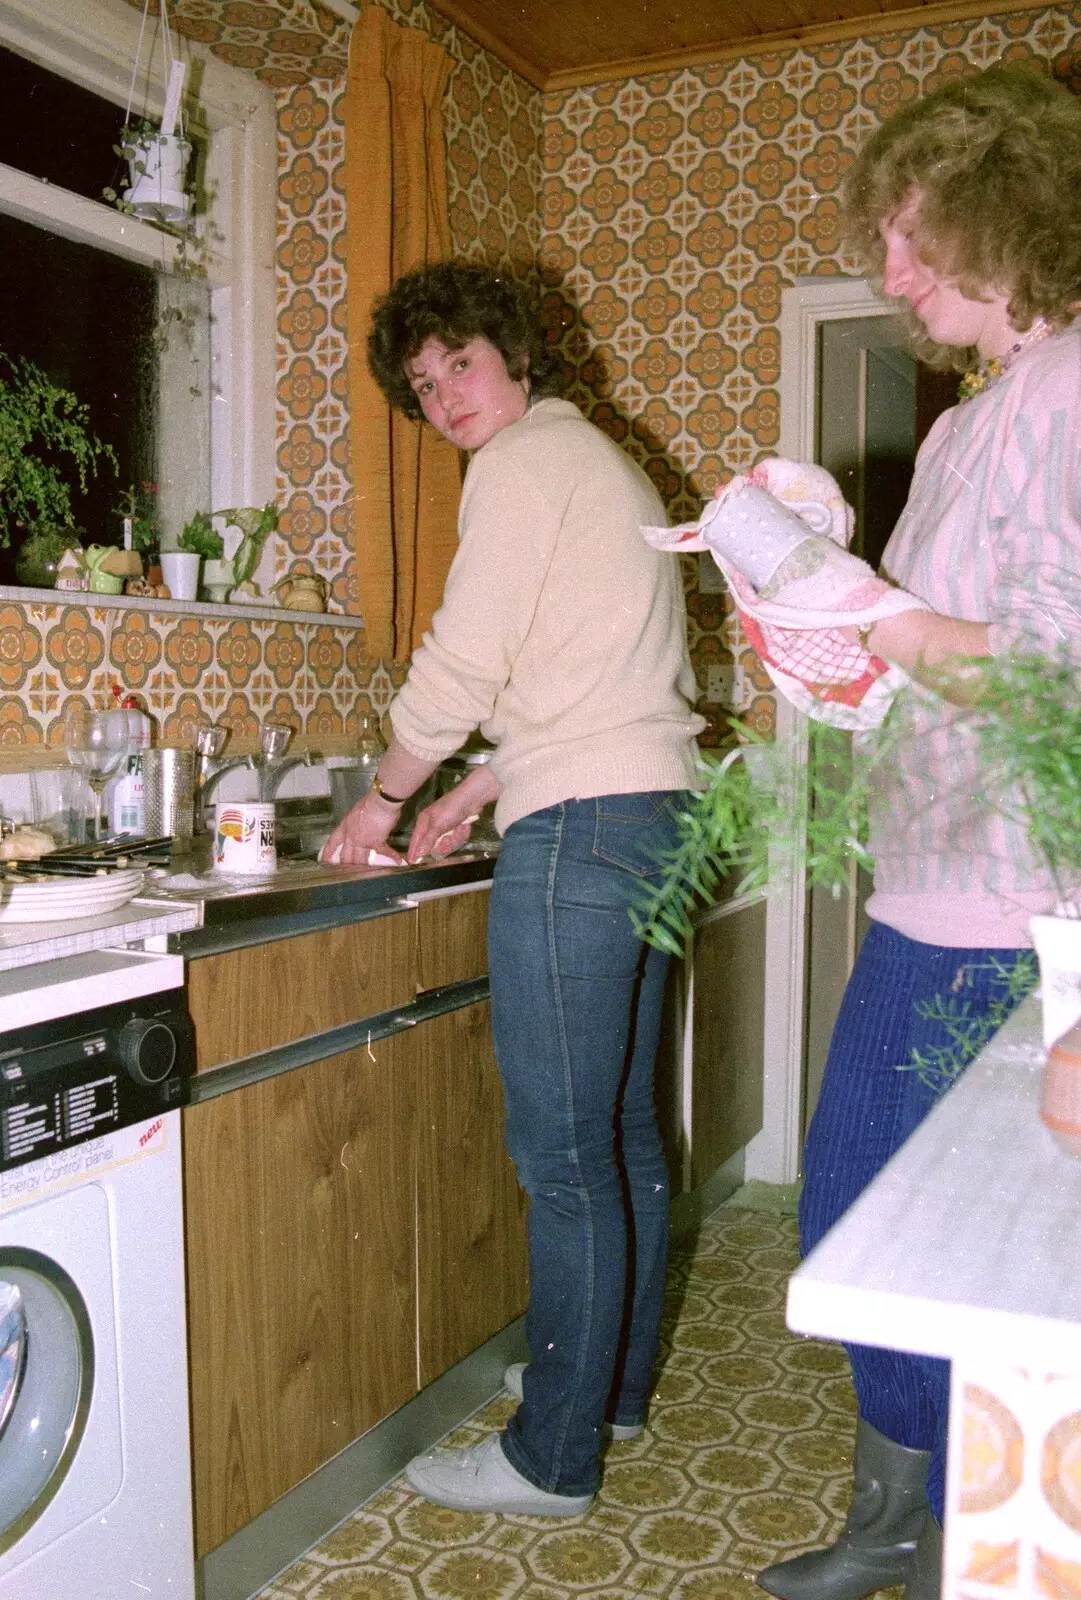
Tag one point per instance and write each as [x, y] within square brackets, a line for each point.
[93, 860]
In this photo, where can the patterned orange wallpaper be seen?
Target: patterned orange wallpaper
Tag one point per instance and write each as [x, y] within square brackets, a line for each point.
[677, 208]
[239, 671]
[666, 215]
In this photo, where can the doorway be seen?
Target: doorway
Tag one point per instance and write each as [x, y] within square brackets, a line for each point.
[875, 405]
[853, 399]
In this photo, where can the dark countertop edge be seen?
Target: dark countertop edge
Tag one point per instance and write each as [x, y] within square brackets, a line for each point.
[239, 921]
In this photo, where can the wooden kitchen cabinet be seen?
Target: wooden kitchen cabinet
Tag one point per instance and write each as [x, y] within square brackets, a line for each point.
[471, 1214]
[452, 938]
[354, 1226]
[300, 1225]
[728, 1029]
[248, 1000]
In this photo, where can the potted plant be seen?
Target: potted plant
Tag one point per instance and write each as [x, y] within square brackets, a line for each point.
[157, 163]
[1029, 725]
[746, 820]
[256, 523]
[199, 540]
[139, 516]
[40, 421]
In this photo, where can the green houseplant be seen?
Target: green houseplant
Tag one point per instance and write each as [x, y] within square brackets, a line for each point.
[750, 818]
[256, 523]
[1029, 725]
[42, 425]
[199, 540]
[200, 537]
[138, 512]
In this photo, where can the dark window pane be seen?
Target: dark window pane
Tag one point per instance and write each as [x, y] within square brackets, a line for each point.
[58, 131]
[88, 319]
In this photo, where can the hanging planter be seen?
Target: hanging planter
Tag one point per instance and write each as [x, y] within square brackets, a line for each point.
[157, 157]
[158, 165]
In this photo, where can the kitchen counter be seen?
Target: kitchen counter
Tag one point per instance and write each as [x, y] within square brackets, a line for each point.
[198, 911]
[302, 895]
[22, 944]
[966, 1247]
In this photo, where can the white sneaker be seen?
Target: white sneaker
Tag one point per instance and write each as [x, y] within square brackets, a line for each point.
[512, 1382]
[482, 1479]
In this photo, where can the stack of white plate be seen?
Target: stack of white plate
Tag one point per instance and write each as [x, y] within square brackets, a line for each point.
[57, 899]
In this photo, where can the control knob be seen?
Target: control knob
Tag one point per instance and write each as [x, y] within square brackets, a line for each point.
[147, 1049]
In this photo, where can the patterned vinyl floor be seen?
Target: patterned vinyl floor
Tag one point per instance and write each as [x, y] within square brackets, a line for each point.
[746, 1458]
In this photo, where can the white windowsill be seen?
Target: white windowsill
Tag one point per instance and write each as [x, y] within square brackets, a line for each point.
[194, 608]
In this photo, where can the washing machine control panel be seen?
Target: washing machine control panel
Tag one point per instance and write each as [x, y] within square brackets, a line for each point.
[76, 1078]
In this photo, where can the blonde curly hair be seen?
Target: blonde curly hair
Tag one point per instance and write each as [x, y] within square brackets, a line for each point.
[996, 159]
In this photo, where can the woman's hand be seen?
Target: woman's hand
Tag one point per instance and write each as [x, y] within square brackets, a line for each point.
[939, 652]
[445, 825]
[363, 829]
[372, 819]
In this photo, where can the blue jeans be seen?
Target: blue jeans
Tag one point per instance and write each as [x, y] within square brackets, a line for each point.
[576, 1010]
[866, 1110]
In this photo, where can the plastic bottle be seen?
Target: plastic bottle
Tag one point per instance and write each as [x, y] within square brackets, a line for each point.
[127, 811]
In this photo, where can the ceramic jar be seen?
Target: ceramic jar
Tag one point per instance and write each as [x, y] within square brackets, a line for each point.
[303, 592]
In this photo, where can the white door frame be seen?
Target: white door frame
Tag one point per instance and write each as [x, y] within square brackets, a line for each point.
[774, 1154]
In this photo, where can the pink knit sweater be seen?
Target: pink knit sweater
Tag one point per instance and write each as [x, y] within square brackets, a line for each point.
[991, 533]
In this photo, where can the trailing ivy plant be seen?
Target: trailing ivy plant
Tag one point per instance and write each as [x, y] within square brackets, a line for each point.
[39, 420]
[256, 523]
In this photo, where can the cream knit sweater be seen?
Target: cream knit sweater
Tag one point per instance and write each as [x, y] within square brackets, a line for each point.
[561, 635]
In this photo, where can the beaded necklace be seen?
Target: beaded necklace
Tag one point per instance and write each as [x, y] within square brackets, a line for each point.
[989, 372]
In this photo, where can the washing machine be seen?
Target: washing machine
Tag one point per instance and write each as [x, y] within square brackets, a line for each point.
[95, 1479]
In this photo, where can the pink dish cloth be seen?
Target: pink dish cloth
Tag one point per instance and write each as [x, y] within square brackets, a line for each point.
[779, 534]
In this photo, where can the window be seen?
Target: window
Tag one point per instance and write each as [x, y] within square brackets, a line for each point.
[177, 367]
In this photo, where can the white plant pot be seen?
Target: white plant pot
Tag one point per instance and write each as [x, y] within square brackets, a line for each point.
[1058, 950]
[180, 569]
[157, 164]
[217, 580]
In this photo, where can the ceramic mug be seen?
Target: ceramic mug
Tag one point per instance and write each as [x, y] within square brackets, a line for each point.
[244, 837]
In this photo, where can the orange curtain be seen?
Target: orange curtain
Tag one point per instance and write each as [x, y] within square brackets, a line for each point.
[406, 478]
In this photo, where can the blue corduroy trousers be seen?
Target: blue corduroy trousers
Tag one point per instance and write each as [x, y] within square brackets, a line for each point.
[895, 1011]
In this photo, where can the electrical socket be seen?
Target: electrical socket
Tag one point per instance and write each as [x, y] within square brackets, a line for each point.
[725, 685]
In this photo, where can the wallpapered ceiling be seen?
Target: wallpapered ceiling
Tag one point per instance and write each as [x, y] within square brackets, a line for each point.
[665, 216]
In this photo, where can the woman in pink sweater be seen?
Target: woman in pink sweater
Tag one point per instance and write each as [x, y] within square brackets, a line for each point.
[969, 205]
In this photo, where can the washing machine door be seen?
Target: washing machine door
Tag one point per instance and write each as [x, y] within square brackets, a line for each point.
[46, 1381]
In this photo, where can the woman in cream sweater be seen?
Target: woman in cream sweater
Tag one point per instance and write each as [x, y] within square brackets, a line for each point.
[561, 636]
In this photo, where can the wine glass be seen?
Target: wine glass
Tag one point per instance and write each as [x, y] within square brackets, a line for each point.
[96, 742]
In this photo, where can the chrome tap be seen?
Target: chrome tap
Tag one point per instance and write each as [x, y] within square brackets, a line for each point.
[272, 771]
[274, 739]
[268, 765]
[209, 741]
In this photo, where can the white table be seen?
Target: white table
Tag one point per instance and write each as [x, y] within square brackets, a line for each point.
[968, 1246]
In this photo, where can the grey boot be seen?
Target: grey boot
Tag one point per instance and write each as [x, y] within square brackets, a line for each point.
[924, 1581]
[886, 1517]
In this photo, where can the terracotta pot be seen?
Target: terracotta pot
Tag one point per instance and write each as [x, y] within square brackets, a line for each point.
[1060, 1106]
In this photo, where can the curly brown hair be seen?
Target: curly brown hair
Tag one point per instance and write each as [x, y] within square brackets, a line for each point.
[456, 302]
[996, 159]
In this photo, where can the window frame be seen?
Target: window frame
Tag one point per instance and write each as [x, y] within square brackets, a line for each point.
[96, 48]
